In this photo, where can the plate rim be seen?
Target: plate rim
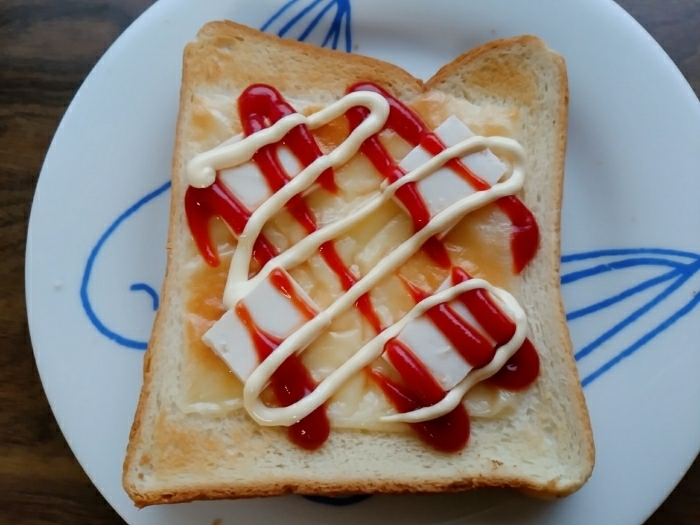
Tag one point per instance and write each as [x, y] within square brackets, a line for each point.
[123, 41]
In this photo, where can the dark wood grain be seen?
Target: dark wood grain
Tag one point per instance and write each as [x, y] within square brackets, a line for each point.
[47, 47]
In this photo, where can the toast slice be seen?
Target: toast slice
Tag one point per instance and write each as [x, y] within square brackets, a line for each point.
[542, 444]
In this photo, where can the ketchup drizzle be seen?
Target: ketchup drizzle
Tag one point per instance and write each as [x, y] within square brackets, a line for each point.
[347, 281]
[525, 236]
[283, 283]
[521, 370]
[290, 383]
[448, 433]
[466, 339]
[203, 204]
[414, 373]
[261, 106]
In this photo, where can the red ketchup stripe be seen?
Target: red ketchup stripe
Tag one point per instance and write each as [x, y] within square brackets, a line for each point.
[525, 236]
[470, 344]
[347, 281]
[290, 383]
[466, 339]
[484, 309]
[203, 204]
[283, 283]
[408, 194]
[522, 369]
[260, 106]
[414, 373]
[434, 249]
[448, 433]
[276, 178]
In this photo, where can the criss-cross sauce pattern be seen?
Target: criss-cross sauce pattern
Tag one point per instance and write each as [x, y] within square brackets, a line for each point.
[499, 352]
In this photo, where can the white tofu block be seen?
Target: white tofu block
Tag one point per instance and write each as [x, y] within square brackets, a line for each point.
[482, 163]
[248, 183]
[289, 162]
[272, 312]
[275, 313]
[464, 312]
[444, 187]
[230, 340]
[435, 351]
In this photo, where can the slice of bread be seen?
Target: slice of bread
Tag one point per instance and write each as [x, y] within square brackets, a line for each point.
[543, 446]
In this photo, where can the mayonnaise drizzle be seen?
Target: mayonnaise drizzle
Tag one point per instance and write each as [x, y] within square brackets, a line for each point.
[238, 287]
[372, 350]
[201, 172]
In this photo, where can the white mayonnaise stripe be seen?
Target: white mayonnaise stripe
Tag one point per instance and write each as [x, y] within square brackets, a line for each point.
[454, 397]
[300, 252]
[307, 333]
[202, 169]
[373, 349]
[201, 172]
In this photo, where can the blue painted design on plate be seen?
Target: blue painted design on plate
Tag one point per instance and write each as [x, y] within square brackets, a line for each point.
[87, 274]
[143, 287]
[326, 23]
[683, 267]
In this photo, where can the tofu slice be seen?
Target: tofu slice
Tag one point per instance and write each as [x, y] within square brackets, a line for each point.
[248, 184]
[444, 187]
[272, 311]
[434, 349]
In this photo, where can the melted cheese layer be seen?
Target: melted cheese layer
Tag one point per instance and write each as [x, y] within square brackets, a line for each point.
[479, 243]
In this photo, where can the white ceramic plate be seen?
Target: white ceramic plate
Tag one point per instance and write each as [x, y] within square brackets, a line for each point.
[631, 239]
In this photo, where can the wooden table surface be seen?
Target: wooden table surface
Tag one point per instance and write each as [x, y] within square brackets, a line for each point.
[47, 47]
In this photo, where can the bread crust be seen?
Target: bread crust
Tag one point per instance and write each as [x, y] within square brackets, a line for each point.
[220, 59]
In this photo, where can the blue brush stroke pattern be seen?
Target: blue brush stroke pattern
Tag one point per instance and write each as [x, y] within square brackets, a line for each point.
[295, 18]
[683, 266]
[87, 274]
[143, 287]
[327, 23]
